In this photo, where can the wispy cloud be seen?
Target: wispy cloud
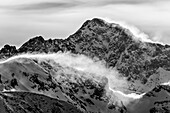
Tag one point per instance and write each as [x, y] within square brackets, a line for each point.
[44, 5]
[131, 1]
[47, 4]
[21, 19]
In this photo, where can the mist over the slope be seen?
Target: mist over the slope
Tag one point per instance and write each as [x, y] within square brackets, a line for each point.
[116, 84]
[137, 34]
[80, 63]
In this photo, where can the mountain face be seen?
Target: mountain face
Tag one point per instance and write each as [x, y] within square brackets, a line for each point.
[145, 66]
[26, 102]
[36, 77]
[43, 85]
[140, 62]
[155, 101]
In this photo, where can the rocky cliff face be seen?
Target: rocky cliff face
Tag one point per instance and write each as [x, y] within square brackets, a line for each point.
[145, 65]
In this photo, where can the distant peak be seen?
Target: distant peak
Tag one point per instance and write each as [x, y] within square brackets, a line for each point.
[37, 38]
[96, 21]
[7, 46]
[33, 44]
[8, 50]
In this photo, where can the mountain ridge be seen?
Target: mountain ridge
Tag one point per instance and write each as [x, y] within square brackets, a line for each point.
[145, 66]
[52, 79]
[40, 39]
[111, 43]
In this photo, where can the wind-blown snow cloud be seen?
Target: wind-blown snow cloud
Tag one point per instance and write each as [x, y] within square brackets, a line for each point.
[80, 63]
[136, 33]
[95, 70]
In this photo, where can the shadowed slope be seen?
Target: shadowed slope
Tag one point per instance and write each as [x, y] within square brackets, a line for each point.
[26, 102]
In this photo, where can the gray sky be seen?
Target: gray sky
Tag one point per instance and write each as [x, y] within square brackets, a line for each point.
[21, 19]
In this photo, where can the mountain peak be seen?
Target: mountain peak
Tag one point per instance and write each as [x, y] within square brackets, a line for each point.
[37, 38]
[94, 21]
[8, 51]
[32, 44]
[98, 21]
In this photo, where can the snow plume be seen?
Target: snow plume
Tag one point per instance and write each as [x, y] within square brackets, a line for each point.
[122, 98]
[136, 33]
[166, 83]
[115, 86]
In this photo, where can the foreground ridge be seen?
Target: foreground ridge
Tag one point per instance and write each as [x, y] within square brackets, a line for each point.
[35, 82]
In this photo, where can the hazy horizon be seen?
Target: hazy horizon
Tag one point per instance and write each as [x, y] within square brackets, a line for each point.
[21, 20]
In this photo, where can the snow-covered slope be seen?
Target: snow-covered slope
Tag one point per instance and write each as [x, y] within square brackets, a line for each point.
[26, 102]
[49, 76]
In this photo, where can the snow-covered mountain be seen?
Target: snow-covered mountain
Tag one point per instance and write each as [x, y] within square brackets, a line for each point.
[52, 76]
[121, 74]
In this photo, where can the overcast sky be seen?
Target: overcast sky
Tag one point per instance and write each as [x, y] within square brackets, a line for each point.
[23, 19]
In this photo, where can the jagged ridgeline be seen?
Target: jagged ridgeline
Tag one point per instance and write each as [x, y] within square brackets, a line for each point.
[145, 65]
[110, 42]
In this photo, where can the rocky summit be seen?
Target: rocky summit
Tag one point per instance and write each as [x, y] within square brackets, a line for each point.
[145, 66]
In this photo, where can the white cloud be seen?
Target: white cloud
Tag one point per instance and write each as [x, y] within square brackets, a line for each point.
[94, 70]
[54, 22]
